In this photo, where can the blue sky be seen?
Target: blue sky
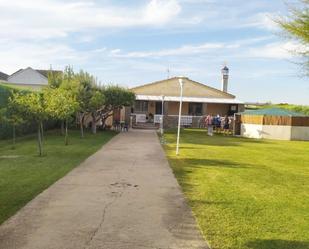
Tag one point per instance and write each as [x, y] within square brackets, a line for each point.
[135, 42]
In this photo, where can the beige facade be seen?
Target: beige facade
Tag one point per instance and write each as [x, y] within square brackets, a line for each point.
[170, 87]
[198, 100]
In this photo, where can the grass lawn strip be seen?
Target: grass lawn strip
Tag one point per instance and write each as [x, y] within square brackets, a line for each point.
[245, 193]
[23, 174]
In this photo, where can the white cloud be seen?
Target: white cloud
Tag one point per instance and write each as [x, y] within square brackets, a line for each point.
[55, 18]
[181, 51]
[262, 20]
[227, 49]
[21, 55]
[160, 12]
[275, 50]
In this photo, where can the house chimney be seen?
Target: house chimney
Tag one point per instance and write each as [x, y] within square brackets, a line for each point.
[225, 78]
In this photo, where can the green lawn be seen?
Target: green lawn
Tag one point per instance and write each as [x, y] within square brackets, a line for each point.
[245, 193]
[23, 174]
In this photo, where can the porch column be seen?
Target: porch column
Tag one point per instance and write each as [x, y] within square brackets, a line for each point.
[204, 109]
[165, 108]
[165, 114]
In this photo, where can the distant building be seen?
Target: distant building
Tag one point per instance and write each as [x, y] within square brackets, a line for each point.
[31, 78]
[272, 123]
[3, 76]
[160, 100]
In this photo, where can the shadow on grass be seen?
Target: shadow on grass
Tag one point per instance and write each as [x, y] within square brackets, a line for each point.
[204, 163]
[277, 244]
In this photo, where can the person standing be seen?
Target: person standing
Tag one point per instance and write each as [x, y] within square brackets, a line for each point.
[208, 122]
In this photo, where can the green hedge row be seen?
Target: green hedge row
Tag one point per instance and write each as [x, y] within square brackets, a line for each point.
[5, 129]
[296, 108]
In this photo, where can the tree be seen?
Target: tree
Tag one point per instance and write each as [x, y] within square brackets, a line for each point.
[61, 104]
[96, 102]
[296, 27]
[11, 116]
[54, 79]
[33, 106]
[115, 98]
[86, 86]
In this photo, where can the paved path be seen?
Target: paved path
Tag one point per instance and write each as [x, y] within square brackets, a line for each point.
[123, 197]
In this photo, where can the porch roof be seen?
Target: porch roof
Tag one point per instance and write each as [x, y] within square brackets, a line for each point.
[189, 99]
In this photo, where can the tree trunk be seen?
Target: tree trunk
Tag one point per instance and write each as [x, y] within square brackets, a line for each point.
[14, 137]
[40, 139]
[94, 124]
[81, 123]
[62, 127]
[42, 131]
[66, 142]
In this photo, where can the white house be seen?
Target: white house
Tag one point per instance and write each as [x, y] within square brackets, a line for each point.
[3, 76]
[29, 77]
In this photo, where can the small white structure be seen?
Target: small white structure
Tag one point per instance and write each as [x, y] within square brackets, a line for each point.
[274, 123]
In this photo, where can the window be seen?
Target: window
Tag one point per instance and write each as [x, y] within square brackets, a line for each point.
[196, 109]
[141, 106]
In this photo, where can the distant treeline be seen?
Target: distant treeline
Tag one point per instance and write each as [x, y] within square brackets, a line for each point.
[296, 108]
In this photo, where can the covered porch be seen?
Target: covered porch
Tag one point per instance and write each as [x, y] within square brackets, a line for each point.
[158, 109]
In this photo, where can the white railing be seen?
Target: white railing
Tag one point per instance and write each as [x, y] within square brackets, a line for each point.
[140, 118]
[184, 120]
[157, 118]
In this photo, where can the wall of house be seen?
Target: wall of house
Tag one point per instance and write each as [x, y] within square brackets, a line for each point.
[152, 107]
[28, 77]
[221, 109]
[173, 108]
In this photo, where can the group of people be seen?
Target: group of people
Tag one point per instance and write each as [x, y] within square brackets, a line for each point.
[217, 123]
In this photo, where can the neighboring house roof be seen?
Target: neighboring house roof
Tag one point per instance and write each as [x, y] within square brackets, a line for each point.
[40, 71]
[170, 88]
[273, 112]
[3, 76]
[16, 72]
[45, 72]
[189, 99]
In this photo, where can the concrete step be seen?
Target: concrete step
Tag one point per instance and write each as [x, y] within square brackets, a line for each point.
[146, 126]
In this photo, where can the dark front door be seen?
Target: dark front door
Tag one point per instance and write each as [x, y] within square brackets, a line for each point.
[158, 108]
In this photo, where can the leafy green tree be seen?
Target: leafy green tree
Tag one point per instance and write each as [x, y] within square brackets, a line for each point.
[295, 26]
[61, 104]
[116, 97]
[33, 106]
[86, 88]
[13, 117]
[54, 79]
[96, 103]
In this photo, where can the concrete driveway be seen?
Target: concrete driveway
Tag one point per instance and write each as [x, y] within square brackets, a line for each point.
[125, 196]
